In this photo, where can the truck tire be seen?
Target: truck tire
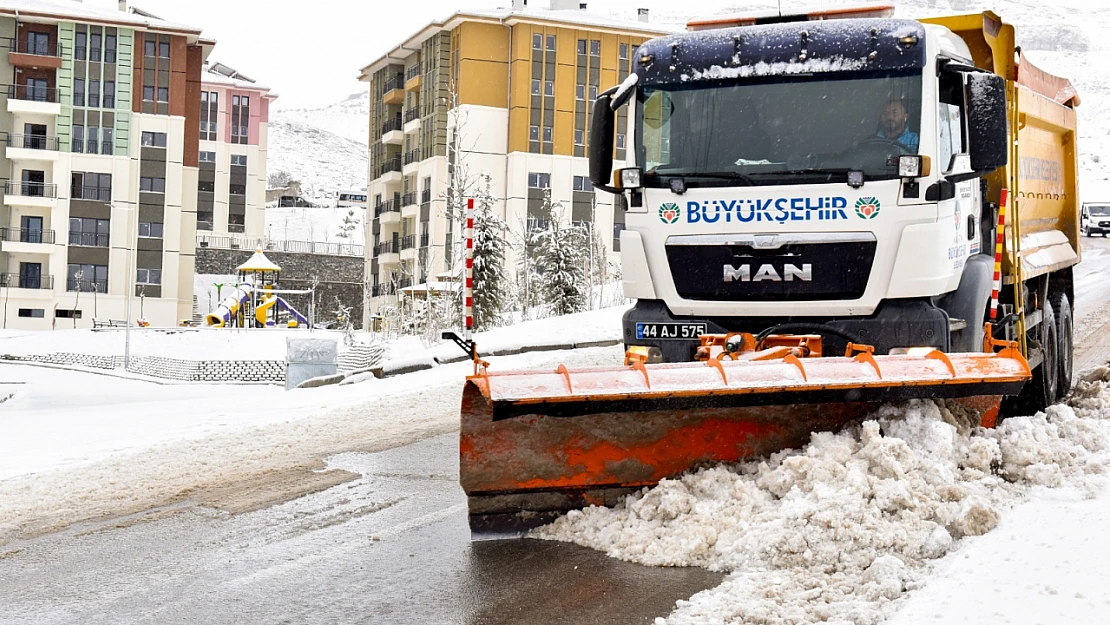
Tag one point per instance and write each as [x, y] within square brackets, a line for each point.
[1040, 392]
[1064, 342]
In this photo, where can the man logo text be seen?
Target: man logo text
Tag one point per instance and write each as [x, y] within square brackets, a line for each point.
[767, 273]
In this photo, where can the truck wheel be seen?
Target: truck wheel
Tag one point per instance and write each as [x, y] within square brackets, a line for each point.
[1040, 392]
[1064, 344]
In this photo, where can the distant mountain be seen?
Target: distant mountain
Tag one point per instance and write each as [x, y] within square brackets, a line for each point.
[348, 118]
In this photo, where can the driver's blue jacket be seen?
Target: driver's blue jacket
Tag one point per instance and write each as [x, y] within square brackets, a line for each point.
[908, 138]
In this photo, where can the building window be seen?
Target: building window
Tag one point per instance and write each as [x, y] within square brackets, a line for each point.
[107, 144]
[91, 186]
[148, 93]
[92, 143]
[549, 88]
[79, 92]
[82, 277]
[620, 140]
[163, 94]
[582, 183]
[34, 313]
[581, 46]
[240, 116]
[150, 229]
[79, 46]
[78, 142]
[624, 51]
[535, 86]
[593, 92]
[164, 50]
[94, 47]
[237, 189]
[152, 185]
[209, 109]
[207, 157]
[204, 220]
[207, 186]
[94, 94]
[109, 94]
[67, 313]
[539, 180]
[537, 41]
[148, 276]
[551, 43]
[109, 48]
[595, 47]
[239, 159]
[547, 133]
[88, 232]
[154, 139]
[149, 47]
[533, 133]
[579, 137]
[580, 92]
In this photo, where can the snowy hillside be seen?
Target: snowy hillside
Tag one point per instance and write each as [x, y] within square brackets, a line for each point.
[349, 118]
[323, 162]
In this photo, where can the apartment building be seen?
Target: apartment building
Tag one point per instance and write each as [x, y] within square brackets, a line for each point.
[511, 90]
[231, 190]
[101, 139]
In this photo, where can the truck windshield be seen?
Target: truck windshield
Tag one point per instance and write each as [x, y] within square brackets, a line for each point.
[780, 130]
[1099, 209]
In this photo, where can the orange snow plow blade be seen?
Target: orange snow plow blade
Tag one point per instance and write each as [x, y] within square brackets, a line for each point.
[535, 444]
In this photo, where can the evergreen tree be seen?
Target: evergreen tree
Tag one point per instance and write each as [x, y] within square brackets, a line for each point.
[350, 223]
[491, 296]
[560, 260]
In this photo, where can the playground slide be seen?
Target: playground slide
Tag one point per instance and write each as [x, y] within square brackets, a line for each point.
[229, 307]
[263, 309]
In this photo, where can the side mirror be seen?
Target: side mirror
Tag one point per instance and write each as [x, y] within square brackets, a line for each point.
[602, 133]
[987, 123]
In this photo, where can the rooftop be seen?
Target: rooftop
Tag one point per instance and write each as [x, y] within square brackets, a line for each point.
[29, 10]
[511, 17]
[220, 74]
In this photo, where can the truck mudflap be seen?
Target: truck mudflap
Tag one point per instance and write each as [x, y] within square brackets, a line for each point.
[534, 444]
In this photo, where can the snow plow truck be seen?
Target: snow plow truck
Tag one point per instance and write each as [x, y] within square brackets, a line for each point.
[823, 213]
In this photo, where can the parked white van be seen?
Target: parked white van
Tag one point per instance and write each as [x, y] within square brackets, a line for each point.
[1094, 218]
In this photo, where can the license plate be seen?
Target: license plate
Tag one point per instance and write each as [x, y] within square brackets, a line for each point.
[687, 331]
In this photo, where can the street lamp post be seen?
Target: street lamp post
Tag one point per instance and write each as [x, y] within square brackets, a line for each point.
[131, 244]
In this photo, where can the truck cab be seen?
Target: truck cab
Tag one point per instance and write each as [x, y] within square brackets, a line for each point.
[1094, 218]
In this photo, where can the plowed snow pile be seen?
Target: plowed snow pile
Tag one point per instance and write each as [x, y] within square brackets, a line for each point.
[838, 531]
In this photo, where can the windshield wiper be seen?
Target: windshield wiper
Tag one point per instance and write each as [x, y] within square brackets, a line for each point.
[707, 175]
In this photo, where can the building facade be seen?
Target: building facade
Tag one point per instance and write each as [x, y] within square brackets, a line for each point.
[231, 190]
[498, 95]
[101, 140]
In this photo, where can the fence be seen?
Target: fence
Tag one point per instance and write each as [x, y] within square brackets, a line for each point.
[273, 245]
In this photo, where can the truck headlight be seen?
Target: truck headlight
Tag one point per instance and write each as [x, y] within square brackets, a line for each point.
[913, 166]
[629, 178]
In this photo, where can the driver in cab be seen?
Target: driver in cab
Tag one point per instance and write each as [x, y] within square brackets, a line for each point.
[893, 126]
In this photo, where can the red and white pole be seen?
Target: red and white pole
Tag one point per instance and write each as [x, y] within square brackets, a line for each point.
[998, 252]
[468, 292]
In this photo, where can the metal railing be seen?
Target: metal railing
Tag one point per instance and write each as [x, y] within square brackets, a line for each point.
[380, 290]
[412, 156]
[385, 247]
[79, 146]
[397, 123]
[393, 164]
[22, 46]
[33, 142]
[404, 283]
[277, 245]
[397, 82]
[30, 189]
[87, 286]
[33, 93]
[91, 193]
[412, 72]
[388, 206]
[424, 240]
[27, 235]
[408, 199]
[88, 239]
[408, 242]
[412, 114]
[16, 281]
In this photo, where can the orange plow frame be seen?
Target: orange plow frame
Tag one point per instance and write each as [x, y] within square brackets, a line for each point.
[534, 444]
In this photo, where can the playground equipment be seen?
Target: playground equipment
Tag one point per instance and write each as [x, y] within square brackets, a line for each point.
[255, 301]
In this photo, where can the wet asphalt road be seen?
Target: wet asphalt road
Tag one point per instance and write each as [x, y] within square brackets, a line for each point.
[390, 547]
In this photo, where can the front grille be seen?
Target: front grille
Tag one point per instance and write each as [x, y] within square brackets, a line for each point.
[793, 272]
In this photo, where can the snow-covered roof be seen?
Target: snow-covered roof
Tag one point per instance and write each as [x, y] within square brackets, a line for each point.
[220, 74]
[511, 17]
[258, 262]
[28, 10]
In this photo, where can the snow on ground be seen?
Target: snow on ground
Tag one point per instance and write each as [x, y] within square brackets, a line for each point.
[319, 225]
[839, 531]
[349, 118]
[323, 162]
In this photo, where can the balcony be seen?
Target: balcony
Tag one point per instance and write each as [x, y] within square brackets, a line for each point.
[79, 146]
[37, 194]
[87, 286]
[32, 147]
[386, 252]
[88, 239]
[393, 130]
[412, 115]
[99, 194]
[26, 240]
[33, 99]
[390, 170]
[412, 157]
[408, 242]
[388, 212]
[408, 199]
[41, 55]
[16, 281]
[381, 290]
[412, 77]
[393, 91]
